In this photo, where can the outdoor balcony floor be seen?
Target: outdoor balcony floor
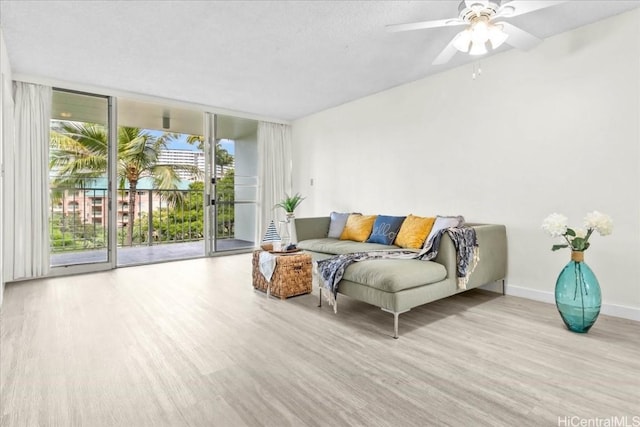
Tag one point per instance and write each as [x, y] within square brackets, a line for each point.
[148, 254]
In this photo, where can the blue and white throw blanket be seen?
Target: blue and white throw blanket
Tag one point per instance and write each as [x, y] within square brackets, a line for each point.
[331, 270]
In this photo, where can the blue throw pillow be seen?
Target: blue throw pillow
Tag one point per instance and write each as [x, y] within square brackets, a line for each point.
[385, 229]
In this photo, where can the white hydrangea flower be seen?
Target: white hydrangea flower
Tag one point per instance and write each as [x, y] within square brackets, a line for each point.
[555, 224]
[600, 222]
[591, 219]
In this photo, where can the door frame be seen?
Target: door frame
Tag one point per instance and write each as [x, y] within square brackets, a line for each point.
[112, 171]
[209, 207]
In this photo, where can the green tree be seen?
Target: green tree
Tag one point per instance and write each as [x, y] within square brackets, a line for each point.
[225, 196]
[181, 221]
[223, 158]
[184, 220]
[79, 153]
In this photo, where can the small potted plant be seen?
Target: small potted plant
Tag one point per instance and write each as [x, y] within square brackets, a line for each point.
[287, 232]
[290, 203]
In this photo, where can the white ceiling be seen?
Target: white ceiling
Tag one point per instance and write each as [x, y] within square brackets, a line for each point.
[278, 59]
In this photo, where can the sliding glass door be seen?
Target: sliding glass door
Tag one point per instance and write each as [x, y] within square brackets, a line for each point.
[80, 157]
[232, 179]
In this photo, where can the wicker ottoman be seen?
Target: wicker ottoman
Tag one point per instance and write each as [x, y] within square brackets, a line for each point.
[291, 277]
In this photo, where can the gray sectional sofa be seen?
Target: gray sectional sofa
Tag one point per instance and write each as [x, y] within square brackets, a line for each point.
[398, 285]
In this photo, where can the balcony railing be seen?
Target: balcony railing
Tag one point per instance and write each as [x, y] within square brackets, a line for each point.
[79, 218]
[74, 221]
[161, 216]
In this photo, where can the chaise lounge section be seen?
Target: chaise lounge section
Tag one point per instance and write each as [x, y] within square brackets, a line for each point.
[398, 285]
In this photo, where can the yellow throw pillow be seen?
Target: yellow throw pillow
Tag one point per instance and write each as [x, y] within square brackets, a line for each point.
[414, 231]
[358, 227]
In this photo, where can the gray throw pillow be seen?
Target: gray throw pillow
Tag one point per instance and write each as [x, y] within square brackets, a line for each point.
[443, 222]
[338, 221]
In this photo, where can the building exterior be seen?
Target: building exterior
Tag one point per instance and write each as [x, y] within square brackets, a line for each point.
[191, 158]
[183, 157]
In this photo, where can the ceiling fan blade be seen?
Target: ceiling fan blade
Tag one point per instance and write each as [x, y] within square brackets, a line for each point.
[483, 3]
[519, 38]
[452, 22]
[447, 53]
[520, 7]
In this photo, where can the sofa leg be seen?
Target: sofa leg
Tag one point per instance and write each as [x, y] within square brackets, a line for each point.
[335, 303]
[395, 325]
[504, 289]
[396, 314]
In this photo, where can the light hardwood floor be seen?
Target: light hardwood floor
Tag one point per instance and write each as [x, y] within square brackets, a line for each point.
[191, 343]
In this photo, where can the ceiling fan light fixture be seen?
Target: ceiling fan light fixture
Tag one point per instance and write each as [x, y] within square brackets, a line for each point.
[462, 41]
[477, 49]
[479, 31]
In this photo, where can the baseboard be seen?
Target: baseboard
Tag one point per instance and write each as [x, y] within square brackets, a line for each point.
[622, 311]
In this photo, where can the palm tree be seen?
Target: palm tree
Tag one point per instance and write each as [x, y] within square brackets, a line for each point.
[223, 158]
[79, 154]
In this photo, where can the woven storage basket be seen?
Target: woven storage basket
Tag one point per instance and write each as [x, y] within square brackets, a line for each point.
[291, 277]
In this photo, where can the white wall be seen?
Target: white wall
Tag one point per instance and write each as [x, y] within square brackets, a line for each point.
[6, 132]
[555, 129]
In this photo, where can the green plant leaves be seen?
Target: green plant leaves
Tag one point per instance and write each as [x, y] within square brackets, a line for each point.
[556, 247]
[290, 203]
[578, 244]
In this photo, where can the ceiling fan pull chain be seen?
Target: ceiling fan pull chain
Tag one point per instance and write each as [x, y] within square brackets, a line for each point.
[477, 71]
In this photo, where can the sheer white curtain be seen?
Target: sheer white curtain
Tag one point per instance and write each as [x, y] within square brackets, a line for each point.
[27, 225]
[274, 171]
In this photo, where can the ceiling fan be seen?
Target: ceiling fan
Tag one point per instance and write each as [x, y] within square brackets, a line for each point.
[482, 30]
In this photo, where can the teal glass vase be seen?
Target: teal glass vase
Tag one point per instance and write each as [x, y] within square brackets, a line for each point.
[578, 296]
